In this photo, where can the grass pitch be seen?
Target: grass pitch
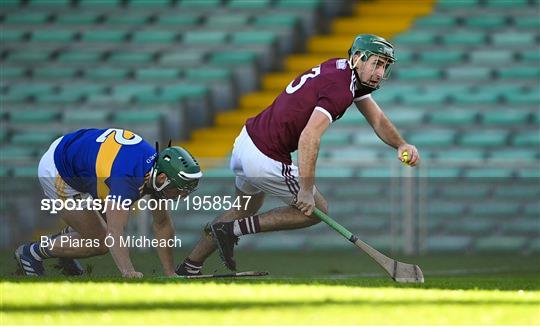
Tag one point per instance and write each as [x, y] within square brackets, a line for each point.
[315, 288]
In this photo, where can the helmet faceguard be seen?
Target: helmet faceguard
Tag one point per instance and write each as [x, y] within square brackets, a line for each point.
[182, 171]
[368, 45]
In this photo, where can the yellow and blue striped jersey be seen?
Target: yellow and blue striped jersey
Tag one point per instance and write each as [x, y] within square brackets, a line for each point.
[105, 162]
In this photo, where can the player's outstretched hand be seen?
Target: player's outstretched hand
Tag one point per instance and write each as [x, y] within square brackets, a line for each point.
[411, 158]
[132, 274]
[305, 202]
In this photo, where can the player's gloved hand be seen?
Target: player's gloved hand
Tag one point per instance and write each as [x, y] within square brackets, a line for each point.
[132, 274]
[305, 202]
[412, 154]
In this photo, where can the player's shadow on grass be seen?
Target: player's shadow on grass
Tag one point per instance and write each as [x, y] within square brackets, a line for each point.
[244, 305]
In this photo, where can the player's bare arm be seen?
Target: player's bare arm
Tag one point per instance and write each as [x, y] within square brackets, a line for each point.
[386, 130]
[163, 230]
[116, 224]
[308, 149]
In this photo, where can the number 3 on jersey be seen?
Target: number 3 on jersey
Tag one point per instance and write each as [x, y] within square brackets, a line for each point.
[120, 137]
[315, 72]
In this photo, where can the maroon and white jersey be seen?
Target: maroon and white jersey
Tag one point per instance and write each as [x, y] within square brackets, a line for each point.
[329, 88]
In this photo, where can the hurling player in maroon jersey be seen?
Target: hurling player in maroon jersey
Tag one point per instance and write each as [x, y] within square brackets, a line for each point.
[296, 120]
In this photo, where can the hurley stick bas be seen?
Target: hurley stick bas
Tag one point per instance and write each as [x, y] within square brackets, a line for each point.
[398, 271]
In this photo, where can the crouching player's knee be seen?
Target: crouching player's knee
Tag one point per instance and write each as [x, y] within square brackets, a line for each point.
[101, 249]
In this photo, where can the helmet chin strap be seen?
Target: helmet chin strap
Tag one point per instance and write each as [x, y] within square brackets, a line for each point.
[353, 65]
[154, 185]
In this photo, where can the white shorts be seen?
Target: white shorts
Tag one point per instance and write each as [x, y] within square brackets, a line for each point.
[52, 184]
[255, 172]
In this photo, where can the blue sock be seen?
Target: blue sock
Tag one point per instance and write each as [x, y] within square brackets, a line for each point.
[40, 252]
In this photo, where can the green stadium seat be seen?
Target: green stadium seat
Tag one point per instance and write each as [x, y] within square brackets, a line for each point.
[34, 138]
[188, 58]
[103, 35]
[506, 4]
[29, 57]
[464, 38]
[476, 98]
[197, 4]
[77, 18]
[522, 227]
[129, 90]
[47, 35]
[178, 20]
[138, 116]
[486, 22]
[464, 191]
[11, 4]
[106, 73]
[80, 57]
[514, 154]
[424, 99]
[452, 4]
[523, 98]
[49, 3]
[445, 208]
[460, 154]
[299, 4]
[494, 208]
[248, 4]
[88, 117]
[338, 137]
[253, 38]
[519, 72]
[418, 73]
[59, 98]
[328, 172]
[82, 89]
[130, 58]
[129, 18]
[270, 20]
[415, 38]
[109, 4]
[528, 173]
[437, 137]
[31, 89]
[27, 18]
[54, 72]
[13, 35]
[157, 74]
[488, 173]
[453, 117]
[25, 171]
[491, 56]
[446, 89]
[175, 93]
[233, 58]
[143, 4]
[14, 97]
[501, 244]
[483, 138]
[12, 73]
[17, 153]
[366, 138]
[532, 209]
[205, 38]
[517, 192]
[505, 117]
[530, 55]
[470, 226]
[513, 39]
[526, 138]
[219, 173]
[469, 73]
[442, 21]
[208, 74]
[443, 172]
[443, 243]
[154, 36]
[230, 20]
[402, 118]
[445, 57]
[34, 116]
[527, 23]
